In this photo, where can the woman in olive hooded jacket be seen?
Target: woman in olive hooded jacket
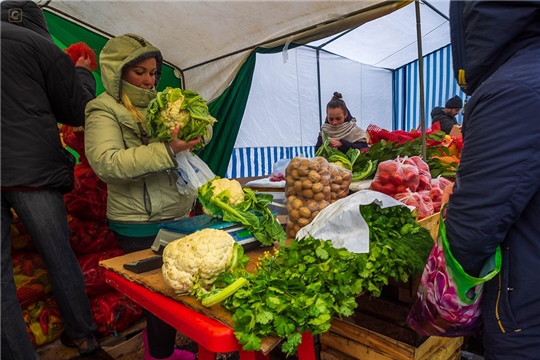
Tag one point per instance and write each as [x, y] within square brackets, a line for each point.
[140, 171]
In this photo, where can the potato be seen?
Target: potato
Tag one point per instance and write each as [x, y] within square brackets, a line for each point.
[334, 172]
[305, 162]
[325, 180]
[314, 214]
[317, 188]
[335, 187]
[303, 222]
[322, 205]
[289, 207]
[314, 165]
[297, 203]
[314, 176]
[294, 174]
[289, 180]
[304, 212]
[295, 162]
[312, 205]
[333, 196]
[319, 196]
[307, 193]
[303, 170]
[298, 186]
[333, 201]
[337, 180]
[296, 229]
[326, 189]
[321, 160]
[346, 175]
[290, 192]
[291, 233]
[294, 215]
[323, 171]
[307, 184]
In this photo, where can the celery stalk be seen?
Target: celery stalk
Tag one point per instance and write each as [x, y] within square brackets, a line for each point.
[225, 293]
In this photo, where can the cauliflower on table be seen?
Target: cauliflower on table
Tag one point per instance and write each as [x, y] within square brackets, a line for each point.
[201, 256]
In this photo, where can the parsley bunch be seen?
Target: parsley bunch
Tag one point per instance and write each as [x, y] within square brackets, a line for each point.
[299, 288]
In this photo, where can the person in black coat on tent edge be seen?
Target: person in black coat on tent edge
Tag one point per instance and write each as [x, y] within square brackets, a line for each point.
[496, 195]
[40, 87]
[447, 116]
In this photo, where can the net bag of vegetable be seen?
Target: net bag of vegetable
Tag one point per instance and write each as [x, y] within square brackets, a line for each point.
[307, 187]
[449, 299]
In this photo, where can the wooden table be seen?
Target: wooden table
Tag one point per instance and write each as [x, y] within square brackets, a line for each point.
[210, 328]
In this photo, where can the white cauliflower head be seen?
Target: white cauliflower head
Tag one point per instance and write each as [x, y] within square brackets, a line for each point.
[202, 255]
[236, 194]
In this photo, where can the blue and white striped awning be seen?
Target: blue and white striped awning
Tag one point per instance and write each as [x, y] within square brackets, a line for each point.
[258, 161]
[440, 85]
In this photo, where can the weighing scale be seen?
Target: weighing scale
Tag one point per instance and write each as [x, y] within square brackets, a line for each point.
[174, 230]
[171, 231]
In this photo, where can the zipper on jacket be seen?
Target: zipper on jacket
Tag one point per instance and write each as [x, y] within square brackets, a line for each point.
[169, 175]
[497, 305]
[144, 134]
[458, 41]
[147, 202]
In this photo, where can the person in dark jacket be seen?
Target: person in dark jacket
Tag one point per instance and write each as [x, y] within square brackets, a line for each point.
[341, 127]
[447, 116]
[496, 196]
[40, 87]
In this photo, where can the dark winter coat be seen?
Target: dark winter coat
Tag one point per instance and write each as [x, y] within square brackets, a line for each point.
[496, 199]
[446, 121]
[40, 87]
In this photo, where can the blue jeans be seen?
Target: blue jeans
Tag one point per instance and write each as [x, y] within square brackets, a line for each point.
[43, 214]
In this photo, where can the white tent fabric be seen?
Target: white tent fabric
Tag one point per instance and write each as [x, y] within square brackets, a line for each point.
[283, 110]
[193, 33]
[390, 41]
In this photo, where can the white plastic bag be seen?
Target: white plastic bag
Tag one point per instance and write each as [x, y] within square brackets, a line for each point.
[342, 222]
[192, 173]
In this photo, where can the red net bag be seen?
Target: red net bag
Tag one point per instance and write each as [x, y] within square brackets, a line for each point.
[94, 275]
[424, 176]
[89, 236]
[396, 176]
[422, 202]
[75, 51]
[88, 199]
[113, 312]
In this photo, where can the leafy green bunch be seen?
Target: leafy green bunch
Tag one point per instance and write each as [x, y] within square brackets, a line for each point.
[252, 212]
[299, 288]
[398, 246]
[174, 107]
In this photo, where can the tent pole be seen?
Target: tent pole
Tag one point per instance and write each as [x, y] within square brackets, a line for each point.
[319, 85]
[421, 77]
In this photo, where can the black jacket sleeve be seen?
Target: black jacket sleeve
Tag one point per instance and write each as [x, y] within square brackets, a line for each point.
[69, 90]
[346, 145]
[447, 123]
[319, 143]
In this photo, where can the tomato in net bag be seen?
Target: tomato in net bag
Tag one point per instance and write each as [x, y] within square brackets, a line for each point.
[396, 176]
[424, 176]
[422, 202]
[113, 312]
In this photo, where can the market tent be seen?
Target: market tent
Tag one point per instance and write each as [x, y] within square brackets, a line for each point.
[210, 44]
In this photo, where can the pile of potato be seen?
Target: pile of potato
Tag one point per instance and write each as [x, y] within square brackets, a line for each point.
[310, 186]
